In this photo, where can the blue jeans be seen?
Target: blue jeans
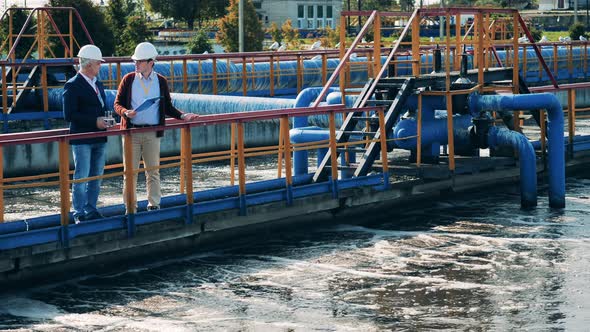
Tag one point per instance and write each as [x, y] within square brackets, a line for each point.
[89, 160]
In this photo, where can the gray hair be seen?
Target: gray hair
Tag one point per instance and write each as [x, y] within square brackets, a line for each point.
[85, 62]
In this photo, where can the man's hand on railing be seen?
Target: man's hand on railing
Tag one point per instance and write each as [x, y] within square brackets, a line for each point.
[189, 116]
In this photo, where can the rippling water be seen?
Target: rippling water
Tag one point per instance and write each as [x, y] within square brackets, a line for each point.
[476, 264]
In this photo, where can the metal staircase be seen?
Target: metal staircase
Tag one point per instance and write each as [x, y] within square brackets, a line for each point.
[391, 93]
[17, 84]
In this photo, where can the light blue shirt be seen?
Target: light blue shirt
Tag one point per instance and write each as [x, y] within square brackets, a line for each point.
[141, 89]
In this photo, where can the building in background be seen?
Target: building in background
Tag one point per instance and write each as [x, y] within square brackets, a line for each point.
[305, 14]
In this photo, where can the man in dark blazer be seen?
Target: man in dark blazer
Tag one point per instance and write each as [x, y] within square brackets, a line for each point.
[84, 107]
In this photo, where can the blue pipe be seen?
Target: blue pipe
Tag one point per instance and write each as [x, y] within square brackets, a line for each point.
[316, 134]
[433, 131]
[305, 97]
[556, 150]
[498, 137]
[167, 201]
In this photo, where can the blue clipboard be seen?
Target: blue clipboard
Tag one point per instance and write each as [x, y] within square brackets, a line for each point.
[147, 103]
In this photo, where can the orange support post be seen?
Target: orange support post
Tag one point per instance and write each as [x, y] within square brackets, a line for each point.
[214, 76]
[515, 63]
[182, 156]
[244, 79]
[299, 73]
[333, 154]
[44, 89]
[187, 162]
[416, 46]
[571, 115]
[241, 168]
[64, 181]
[377, 45]
[287, 149]
[281, 149]
[272, 76]
[450, 137]
[383, 141]
[184, 76]
[129, 174]
[241, 159]
[232, 150]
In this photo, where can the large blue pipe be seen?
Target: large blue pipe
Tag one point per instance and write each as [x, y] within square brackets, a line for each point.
[433, 131]
[498, 137]
[556, 150]
[304, 99]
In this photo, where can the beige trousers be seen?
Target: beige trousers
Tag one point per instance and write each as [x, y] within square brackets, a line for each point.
[146, 146]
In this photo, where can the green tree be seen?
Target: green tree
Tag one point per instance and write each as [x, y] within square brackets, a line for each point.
[289, 33]
[228, 28]
[116, 14]
[381, 5]
[275, 32]
[199, 44]
[188, 10]
[406, 5]
[577, 30]
[93, 19]
[18, 20]
[135, 32]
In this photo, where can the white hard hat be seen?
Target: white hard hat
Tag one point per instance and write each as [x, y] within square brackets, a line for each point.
[144, 51]
[90, 52]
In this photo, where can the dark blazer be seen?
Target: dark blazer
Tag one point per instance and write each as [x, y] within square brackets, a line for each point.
[123, 101]
[81, 107]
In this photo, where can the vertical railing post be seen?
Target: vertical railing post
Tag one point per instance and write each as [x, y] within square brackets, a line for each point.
[287, 154]
[341, 53]
[416, 46]
[71, 33]
[333, 155]
[129, 170]
[244, 77]
[383, 139]
[172, 77]
[64, 181]
[450, 137]
[232, 150]
[186, 152]
[457, 61]
[182, 156]
[64, 190]
[272, 76]
[281, 149]
[242, 169]
[571, 120]
[184, 76]
[299, 73]
[214, 70]
[377, 44]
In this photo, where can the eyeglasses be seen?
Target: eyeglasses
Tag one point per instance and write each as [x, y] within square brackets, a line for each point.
[140, 61]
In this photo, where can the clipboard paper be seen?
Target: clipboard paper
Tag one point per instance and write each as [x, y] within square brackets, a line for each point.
[147, 103]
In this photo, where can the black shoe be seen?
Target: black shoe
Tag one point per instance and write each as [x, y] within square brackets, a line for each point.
[79, 218]
[153, 207]
[94, 215]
